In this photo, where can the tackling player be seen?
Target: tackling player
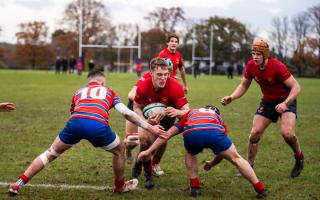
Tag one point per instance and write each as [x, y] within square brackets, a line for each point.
[163, 89]
[90, 120]
[174, 55]
[280, 90]
[204, 128]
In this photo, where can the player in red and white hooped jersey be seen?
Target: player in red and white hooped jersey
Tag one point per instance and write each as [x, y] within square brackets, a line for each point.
[204, 128]
[175, 56]
[163, 89]
[280, 91]
[90, 120]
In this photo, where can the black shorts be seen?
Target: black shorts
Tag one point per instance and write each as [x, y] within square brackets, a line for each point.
[130, 104]
[167, 122]
[268, 110]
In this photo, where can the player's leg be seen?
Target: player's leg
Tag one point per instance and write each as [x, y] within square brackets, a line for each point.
[156, 169]
[146, 139]
[245, 169]
[192, 172]
[131, 140]
[287, 126]
[57, 148]
[117, 148]
[259, 124]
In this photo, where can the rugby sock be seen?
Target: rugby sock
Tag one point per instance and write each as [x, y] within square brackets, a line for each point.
[147, 166]
[118, 184]
[258, 186]
[155, 160]
[22, 180]
[299, 156]
[194, 183]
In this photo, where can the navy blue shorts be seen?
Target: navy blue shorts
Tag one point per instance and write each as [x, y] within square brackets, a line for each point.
[268, 110]
[196, 141]
[130, 104]
[97, 133]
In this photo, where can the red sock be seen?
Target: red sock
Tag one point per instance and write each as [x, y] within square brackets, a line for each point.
[258, 186]
[299, 156]
[24, 178]
[155, 160]
[118, 184]
[194, 183]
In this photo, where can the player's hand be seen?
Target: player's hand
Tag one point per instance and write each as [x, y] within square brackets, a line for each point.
[172, 112]
[153, 120]
[281, 107]
[156, 130]
[7, 107]
[207, 166]
[226, 100]
[185, 89]
[144, 156]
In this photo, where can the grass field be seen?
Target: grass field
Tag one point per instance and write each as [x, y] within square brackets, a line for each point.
[43, 99]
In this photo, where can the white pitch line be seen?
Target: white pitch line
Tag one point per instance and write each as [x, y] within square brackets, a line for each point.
[63, 186]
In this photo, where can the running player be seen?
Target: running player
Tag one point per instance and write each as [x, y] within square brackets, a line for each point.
[90, 120]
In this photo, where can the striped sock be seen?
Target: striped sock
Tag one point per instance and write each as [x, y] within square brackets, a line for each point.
[22, 180]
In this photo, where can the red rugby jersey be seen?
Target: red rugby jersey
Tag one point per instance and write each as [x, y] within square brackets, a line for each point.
[172, 94]
[175, 57]
[201, 119]
[270, 80]
[144, 76]
[94, 102]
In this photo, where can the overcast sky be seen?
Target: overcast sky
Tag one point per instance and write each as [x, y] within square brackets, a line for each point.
[255, 13]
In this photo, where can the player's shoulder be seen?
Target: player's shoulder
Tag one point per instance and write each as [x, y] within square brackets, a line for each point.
[162, 53]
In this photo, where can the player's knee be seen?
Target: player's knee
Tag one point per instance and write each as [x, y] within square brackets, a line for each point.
[48, 156]
[254, 138]
[288, 135]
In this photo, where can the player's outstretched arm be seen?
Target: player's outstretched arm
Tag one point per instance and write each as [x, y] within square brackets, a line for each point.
[7, 107]
[162, 139]
[237, 93]
[134, 118]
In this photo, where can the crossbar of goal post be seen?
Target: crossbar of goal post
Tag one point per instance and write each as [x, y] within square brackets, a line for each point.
[80, 60]
[194, 58]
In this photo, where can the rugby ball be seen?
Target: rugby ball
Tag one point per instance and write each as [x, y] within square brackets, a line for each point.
[154, 109]
[169, 62]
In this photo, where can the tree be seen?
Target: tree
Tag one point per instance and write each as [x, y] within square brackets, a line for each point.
[32, 48]
[64, 43]
[153, 41]
[301, 26]
[280, 37]
[231, 42]
[96, 24]
[314, 13]
[166, 19]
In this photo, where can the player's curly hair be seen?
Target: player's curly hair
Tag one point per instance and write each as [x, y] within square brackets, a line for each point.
[214, 108]
[172, 35]
[158, 62]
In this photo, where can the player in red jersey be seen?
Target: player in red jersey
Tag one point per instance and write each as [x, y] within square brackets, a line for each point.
[163, 89]
[90, 120]
[204, 128]
[174, 55]
[280, 90]
[132, 136]
[7, 107]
